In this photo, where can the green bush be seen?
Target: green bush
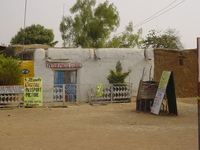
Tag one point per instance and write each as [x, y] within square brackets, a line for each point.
[118, 76]
[10, 71]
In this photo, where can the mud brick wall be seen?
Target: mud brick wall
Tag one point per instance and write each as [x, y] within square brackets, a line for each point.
[184, 67]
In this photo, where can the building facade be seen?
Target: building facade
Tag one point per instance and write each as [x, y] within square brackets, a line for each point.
[184, 66]
[82, 69]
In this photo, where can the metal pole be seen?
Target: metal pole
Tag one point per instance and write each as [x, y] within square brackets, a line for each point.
[199, 122]
[25, 21]
[64, 43]
[198, 98]
[24, 26]
[25, 14]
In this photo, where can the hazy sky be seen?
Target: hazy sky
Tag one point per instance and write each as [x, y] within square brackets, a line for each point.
[182, 15]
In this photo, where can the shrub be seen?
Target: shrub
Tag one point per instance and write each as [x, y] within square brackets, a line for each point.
[118, 76]
[10, 71]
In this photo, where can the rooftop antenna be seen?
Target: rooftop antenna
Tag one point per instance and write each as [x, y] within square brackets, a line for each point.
[24, 26]
[64, 41]
[25, 14]
[63, 9]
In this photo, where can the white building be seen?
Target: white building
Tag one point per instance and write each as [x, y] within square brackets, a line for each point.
[88, 67]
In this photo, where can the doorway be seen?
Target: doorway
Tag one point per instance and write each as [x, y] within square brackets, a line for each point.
[66, 81]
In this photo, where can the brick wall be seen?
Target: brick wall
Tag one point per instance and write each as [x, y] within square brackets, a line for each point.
[184, 67]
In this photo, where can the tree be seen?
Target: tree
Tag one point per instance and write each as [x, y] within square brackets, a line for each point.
[118, 67]
[169, 39]
[127, 39]
[34, 34]
[10, 71]
[117, 76]
[90, 26]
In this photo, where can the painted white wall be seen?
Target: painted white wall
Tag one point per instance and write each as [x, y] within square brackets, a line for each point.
[46, 74]
[96, 64]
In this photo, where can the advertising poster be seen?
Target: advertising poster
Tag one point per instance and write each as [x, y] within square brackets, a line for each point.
[99, 90]
[160, 92]
[11, 89]
[32, 92]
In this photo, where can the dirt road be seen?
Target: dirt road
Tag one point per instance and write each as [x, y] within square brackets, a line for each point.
[99, 127]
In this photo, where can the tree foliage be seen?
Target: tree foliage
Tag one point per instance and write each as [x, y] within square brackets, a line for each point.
[169, 39]
[117, 76]
[10, 71]
[90, 26]
[127, 39]
[34, 34]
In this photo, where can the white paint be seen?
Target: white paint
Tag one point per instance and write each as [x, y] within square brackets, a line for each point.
[46, 74]
[96, 64]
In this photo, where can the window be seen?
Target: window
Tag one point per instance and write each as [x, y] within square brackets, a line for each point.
[181, 63]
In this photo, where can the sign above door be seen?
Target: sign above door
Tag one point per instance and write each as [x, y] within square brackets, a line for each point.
[63, 65]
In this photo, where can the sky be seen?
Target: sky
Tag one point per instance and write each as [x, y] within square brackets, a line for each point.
[182, 15]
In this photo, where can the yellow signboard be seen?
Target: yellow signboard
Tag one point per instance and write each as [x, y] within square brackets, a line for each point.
[27, 69]
[32, 92]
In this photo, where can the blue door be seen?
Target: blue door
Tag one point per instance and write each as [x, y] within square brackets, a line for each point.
[59, 77]
[67, 78]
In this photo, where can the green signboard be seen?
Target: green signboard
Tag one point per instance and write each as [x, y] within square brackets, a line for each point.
[164, 80]
[99, 90]
[32, 92]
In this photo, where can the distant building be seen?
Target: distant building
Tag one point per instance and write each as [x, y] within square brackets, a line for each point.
[2, 48]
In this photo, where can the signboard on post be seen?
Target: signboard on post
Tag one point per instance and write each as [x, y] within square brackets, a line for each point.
[165, 87]
[198, 98]
[32, 92]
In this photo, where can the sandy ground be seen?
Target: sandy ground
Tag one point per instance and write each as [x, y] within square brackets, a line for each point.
[99, 127]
